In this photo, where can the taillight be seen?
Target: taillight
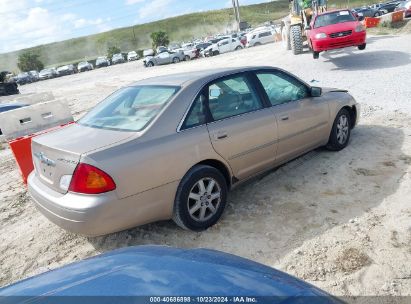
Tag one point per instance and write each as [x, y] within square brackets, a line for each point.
[88, 179]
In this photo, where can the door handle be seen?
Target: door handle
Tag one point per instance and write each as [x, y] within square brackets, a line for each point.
[284, 117]
[221, 135]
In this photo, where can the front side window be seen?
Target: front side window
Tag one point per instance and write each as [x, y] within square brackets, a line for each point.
[282, 88]
[232, 96]
[129, 109]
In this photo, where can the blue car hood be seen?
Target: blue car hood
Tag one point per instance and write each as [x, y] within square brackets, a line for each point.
[165, 271]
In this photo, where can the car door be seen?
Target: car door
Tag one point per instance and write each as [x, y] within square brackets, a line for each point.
[241, 129]
[303, 121]
[163, 58]
[224, 46]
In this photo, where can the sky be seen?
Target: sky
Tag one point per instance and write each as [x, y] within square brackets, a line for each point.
[26, 23]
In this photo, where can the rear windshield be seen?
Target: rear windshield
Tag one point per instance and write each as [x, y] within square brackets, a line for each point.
[129, 109]
[333, 18]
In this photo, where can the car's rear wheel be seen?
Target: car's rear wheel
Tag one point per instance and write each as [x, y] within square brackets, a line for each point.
[200, 199]
[150, 64]
[176, 60]
[362, 46]
[186, 58]
[238, 48]
[341, 131]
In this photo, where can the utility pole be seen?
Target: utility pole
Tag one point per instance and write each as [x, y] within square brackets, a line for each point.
[236, 7]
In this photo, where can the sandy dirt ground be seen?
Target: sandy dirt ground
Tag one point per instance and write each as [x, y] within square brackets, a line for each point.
[340, 220]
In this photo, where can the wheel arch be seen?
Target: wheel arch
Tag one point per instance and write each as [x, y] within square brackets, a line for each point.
[220, 166]
[352, 110]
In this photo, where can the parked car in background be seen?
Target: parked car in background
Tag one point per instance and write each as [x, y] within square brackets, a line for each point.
[366, 11]
[165, 57]
[102, 61]
[217, 127]
[34, 75]
[148, 52]
[84, 66]
[118, 58]
[389, 7]
[24, 78]
[406, 7]
[131, 56]
[161, 49]
[334, 30]
[66, 70]
[223, 46]
[48, 73]
[202, 46]
[262, 36]
[159, 272]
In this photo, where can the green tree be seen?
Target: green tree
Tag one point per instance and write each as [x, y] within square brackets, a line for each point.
[29, 61]
[159, 38]
[112, 50]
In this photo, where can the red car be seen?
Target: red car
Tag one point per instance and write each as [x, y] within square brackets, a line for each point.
[335, 30]
[406, 7]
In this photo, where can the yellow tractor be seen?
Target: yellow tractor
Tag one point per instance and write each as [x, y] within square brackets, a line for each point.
[293, 27]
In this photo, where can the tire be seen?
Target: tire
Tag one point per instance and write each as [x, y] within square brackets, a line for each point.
[176, 60]
[238, 48]
[215, 53]
[190, 185]
[150, 64]
[362, 47]
[257, 44]
[377, 14]
[316, 55]
[296, 39]
[340, 132]
[187, 58]
[285, 36]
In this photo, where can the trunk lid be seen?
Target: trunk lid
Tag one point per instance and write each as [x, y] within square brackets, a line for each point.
[57, 153]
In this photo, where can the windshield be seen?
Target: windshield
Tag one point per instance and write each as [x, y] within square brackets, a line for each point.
[333, 18]
[129, 109]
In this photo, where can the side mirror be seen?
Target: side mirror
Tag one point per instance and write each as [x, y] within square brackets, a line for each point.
[316, 91]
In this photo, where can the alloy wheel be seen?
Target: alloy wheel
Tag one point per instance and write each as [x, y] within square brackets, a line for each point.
[204, 199]
[342, 129]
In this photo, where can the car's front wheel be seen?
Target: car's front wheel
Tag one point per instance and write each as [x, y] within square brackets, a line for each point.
[187, 58]
[341, 131]
[200, 199]
[150, 64]
[176, 60]
[316, 55]
[362, 46]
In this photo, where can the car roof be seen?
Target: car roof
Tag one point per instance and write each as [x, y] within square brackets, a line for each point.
[336, 10]
[182, 79]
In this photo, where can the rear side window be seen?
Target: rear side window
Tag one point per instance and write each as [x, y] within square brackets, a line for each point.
[282, 88]
[129, 109]
[197, 114]
[232, 96]
[265, 34]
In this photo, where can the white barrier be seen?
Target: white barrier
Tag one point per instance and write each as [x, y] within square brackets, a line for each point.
[34, 118]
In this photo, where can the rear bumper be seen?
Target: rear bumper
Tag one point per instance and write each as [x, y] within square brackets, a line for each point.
[355, 39]
[104, 213]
